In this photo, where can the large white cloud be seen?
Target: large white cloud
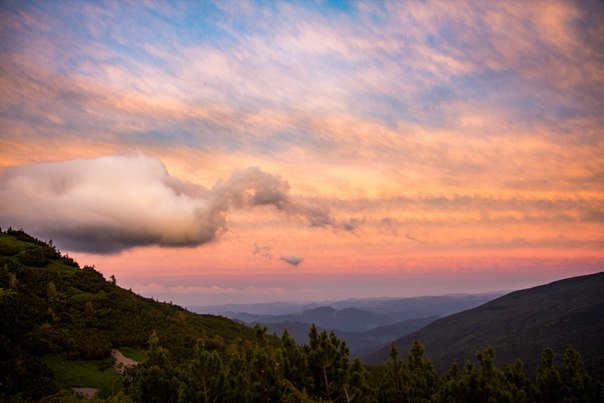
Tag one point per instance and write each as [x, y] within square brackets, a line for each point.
[112, 203]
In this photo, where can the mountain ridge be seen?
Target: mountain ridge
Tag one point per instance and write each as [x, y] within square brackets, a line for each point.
[382, 304]
[366, 315]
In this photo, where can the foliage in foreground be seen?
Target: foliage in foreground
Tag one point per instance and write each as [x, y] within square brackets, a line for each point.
[321, 371]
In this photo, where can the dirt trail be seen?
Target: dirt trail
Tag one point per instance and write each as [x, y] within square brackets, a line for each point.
[121, 361]
[88, 393]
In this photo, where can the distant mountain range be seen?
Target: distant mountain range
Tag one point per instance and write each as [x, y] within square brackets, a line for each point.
[520, 325]
[406, 308]
[348, 319]
[359, 343]
[365, 324]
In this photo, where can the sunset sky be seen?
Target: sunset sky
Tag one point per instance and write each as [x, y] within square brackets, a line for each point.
[211, 152]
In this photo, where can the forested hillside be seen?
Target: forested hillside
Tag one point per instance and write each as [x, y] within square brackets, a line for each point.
[49, 305]
[60, 322]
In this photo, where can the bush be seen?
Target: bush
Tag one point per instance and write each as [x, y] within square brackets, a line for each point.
[33, 257]
[89, 344]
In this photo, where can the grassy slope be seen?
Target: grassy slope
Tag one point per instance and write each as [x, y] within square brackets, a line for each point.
[80, 373]
[520, 325]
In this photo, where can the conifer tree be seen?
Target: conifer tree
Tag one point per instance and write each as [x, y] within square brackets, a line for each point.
[548, 380]
[238, 381]
[391, 388]
[578, 385]
[358, 390]
[330, 369]
[421, 380]
[292, 362]
[206, 376]
[265, 372]
[518, 382]
[155, 380]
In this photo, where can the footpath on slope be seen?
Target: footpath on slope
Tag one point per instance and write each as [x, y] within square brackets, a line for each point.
[121, 361]
[87, 393]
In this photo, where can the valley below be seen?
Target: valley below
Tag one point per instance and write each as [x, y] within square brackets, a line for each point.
[364, 324]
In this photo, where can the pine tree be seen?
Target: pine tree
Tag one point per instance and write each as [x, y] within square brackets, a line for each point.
[206, 376]
[359, 383]
[265, 372]
[519, 384]
[421, 380]
[548, 380]
[578, 385]
[293, 363]
[392, 389]
[155, 380]
[333, 377]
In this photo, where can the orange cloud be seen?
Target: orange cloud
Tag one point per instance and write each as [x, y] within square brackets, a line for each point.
[457, 134]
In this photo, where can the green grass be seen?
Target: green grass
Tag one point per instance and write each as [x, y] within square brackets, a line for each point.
[93, 374]
[60, 268]
[135, 354]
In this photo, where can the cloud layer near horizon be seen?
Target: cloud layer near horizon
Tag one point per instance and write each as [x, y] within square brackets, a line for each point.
[112, 203]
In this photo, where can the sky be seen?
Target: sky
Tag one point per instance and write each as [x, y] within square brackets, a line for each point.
[233, 152]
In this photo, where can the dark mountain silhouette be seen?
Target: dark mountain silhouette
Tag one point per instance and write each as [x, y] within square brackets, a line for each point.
[520, 324]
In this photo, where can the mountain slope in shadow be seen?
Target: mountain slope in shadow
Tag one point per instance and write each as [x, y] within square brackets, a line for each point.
[520, 325]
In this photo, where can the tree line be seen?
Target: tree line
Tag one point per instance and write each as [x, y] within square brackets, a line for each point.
[322, 371]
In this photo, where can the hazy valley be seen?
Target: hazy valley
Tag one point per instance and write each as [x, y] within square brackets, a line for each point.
[365, 324]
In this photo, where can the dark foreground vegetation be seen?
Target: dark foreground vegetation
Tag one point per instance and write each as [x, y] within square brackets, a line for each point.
[322, 371]
[55, 314]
